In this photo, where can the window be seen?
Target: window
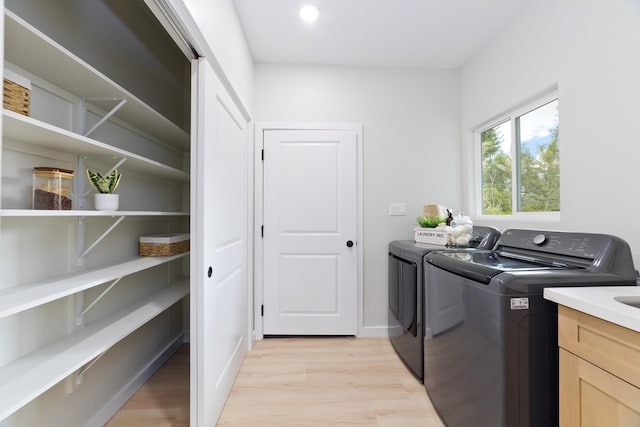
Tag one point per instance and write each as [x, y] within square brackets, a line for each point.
[531, 183]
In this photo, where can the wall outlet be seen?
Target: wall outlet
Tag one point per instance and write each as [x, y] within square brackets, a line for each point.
[397, 209]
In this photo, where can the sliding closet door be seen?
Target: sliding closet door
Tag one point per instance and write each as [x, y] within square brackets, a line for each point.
[219, 329]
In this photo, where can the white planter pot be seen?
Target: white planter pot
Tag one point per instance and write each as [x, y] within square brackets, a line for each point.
[106, 202]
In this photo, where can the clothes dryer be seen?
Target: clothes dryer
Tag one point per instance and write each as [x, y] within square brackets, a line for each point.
[406, 257]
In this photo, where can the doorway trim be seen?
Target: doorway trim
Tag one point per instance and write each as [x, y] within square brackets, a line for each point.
[258, 142]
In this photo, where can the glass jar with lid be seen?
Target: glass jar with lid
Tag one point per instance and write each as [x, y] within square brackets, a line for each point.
[52, 188]
[461, 230]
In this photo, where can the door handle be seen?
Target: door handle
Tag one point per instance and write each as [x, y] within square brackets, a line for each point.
[349, 243]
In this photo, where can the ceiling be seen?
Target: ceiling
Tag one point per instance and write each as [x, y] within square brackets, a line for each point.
[396, 33]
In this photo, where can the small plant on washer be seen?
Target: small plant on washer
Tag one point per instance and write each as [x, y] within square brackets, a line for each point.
[104, 184]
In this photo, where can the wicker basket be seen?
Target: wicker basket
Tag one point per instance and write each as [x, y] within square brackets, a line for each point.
[17, 93]
[164, 245]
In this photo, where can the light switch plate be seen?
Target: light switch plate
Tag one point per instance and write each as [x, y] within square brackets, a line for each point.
[397, 209]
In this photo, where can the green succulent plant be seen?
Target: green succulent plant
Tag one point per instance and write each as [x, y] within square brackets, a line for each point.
[430, 222]
[104, 184]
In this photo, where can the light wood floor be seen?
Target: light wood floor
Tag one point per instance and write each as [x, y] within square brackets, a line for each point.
[163, 401]
[300, 382]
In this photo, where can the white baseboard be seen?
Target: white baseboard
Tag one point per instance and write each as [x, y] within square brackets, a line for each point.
[105, 413]
[364, 332]
[373, 331]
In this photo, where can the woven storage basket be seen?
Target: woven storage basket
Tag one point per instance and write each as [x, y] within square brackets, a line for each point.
[164, 245]
[17, 93]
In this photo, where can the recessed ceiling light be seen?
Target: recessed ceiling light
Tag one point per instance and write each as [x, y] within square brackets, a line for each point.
[309, 13]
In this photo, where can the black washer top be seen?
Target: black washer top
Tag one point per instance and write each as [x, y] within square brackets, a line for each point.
[528, 259]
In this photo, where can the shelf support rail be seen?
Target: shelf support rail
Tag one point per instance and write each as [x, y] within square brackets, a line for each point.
[116, 166]
[81, 233]
[107, 116]
[102, 236]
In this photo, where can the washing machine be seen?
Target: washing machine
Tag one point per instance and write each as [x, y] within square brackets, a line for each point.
[406, 328]
[491, 339]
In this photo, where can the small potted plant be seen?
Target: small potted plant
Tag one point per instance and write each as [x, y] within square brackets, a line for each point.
[105, 200]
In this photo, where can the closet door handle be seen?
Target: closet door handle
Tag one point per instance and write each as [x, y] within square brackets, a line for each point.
[349, 243]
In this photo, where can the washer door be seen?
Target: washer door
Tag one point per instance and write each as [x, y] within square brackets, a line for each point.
[403, 293]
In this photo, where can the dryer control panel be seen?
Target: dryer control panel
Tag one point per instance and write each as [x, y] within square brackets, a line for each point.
[600, 251]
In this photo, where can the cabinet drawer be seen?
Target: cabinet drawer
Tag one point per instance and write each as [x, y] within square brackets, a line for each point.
[612, 347]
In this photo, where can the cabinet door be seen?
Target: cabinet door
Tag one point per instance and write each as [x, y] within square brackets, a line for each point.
[592, 397]
[219, 330]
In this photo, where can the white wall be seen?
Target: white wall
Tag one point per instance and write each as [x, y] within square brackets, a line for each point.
[411, 146]
[220, 26]
[591, 50]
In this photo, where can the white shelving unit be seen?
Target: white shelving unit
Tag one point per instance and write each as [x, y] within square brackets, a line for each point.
[24, 379]
[82, 213]
[28, 377]
[32, 50]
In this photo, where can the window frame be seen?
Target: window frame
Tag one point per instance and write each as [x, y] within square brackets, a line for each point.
[511, 116]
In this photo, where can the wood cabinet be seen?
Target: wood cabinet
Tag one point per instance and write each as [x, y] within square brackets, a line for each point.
[73, 285]
[599, 372]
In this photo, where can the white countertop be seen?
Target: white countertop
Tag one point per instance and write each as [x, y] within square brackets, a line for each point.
[600, 302]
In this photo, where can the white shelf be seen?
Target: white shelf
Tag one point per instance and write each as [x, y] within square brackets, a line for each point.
[37, 133]
[79, 213]
[25, 379]
[23, 297]
[32, 50]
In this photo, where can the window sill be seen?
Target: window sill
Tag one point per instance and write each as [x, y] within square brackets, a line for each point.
[524, 218]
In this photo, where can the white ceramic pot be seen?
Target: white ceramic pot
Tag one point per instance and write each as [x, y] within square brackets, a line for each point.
[106, 202]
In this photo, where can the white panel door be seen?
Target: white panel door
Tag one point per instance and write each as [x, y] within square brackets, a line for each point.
[310, 226]
[219, 260]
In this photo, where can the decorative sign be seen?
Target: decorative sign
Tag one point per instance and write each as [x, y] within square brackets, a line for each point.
[434, 236]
